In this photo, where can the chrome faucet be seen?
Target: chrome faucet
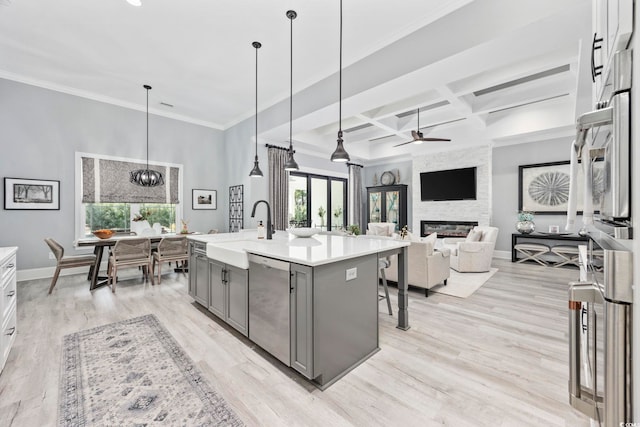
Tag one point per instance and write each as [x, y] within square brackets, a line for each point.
[269, 225]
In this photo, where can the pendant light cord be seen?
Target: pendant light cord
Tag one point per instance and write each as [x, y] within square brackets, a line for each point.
[256, 101]
[147, 88]
[340, 83]
[291, 90]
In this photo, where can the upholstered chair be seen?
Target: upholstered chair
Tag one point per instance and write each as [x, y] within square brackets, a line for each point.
[427, 266]
[381, 228]
[66, 261]
[473, 254]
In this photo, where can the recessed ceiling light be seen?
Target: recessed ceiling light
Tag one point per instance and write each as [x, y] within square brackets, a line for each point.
[136, 3]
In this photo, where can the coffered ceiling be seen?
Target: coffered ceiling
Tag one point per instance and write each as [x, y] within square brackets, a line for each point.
[480, 71]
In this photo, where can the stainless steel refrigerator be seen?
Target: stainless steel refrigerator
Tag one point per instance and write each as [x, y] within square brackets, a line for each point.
[600, 304]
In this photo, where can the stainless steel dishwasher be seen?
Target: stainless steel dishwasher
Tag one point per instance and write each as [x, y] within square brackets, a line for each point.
[269, 324]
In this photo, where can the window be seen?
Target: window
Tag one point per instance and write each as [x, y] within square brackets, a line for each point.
[105, 198]
[317, 201]
[118, 216]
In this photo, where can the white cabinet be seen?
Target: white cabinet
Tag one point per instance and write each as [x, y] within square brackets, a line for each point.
[612, 30]
[7, 302]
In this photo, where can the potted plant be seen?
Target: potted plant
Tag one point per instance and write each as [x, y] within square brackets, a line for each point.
[321, 212]
[354, 229]
[525, 224]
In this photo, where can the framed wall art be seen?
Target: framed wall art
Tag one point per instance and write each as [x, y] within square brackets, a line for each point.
[31, 194]
[236, 208]
[204, 199]
[543, 188]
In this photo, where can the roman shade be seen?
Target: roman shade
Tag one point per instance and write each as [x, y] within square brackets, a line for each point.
[107, 181]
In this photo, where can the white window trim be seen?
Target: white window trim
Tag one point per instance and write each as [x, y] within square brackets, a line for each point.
[80, 215]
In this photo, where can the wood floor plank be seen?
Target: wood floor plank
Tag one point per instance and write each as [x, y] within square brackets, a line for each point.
[497, 358]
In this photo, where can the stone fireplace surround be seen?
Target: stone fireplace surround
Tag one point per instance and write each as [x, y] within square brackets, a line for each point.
[446, 228]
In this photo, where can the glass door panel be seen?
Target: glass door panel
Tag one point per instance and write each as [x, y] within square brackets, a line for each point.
[337, 205]
[298, 201]
[375, 206]
[392, 207]
[319, 202]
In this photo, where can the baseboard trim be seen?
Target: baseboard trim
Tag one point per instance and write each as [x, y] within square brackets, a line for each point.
[502, 254]
[48, 272]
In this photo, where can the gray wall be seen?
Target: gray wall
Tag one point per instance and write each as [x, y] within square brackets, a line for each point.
[42, 130]
[505, 184]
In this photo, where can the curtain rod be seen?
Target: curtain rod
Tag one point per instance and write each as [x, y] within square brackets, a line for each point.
[275, 146]
[354, 164]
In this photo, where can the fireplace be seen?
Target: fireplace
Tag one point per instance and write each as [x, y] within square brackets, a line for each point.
[446, 228]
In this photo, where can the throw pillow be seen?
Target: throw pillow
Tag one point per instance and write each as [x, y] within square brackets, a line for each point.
[430, 241]
[474, 236]
[377, 229]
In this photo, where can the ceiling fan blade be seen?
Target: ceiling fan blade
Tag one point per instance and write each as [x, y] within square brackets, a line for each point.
[434, 139]
[404, 143]
[415, 135]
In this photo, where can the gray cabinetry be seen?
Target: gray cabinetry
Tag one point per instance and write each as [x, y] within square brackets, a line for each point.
[216, 288]
[229, 299]
[301, 314]
[237, 298]
[201, 284]
[199, 274]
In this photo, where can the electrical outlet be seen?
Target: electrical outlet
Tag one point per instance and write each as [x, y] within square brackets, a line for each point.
[352, 273]
[51, 255]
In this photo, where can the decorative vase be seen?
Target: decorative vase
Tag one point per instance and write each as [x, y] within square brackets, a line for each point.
[525, 227]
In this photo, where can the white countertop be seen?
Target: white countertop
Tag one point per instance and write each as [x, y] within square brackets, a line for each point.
[312, 251]
[7, 252]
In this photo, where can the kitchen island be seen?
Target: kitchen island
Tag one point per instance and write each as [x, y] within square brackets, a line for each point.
[310, 302]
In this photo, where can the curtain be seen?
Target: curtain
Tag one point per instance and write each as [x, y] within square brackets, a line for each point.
[355, 195]
[107, 181]
[278, 187]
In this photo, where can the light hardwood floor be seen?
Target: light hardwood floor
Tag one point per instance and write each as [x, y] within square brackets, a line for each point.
[497, 358]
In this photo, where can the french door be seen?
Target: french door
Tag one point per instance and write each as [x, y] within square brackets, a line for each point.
[317, 201]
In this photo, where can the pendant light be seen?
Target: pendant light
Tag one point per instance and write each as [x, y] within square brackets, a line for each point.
[291, 164]
[146, 177]
[256, 172]
[340, 155]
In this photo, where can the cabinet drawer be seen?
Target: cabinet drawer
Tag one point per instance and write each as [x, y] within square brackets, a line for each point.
[199, 247]
[8, 336]
[8, 268]
[9, 296]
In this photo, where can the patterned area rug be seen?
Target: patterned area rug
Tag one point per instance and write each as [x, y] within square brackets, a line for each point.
[134, 373]
[462, 285]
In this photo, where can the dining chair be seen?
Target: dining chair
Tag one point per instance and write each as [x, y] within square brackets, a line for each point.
[169, 249]
[130, 253]
[66, 261]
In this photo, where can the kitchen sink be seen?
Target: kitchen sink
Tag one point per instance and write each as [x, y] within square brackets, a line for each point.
[231, 252]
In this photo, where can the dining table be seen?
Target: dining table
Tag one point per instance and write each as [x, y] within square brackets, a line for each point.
[99, 245]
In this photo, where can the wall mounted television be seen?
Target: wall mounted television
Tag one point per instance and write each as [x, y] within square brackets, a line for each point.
[452, 184]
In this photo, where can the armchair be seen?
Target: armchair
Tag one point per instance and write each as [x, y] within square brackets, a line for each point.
[473, 254]
[381, 228]
[427, 267]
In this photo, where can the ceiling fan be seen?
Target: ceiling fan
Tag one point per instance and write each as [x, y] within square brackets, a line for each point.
[418, 138]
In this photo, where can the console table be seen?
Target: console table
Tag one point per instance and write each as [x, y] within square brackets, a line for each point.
[557, 237]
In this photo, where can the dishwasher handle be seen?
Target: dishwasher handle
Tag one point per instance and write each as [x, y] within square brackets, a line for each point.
[269, 262]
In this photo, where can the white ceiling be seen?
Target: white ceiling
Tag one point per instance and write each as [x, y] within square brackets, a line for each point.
[441, 56]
